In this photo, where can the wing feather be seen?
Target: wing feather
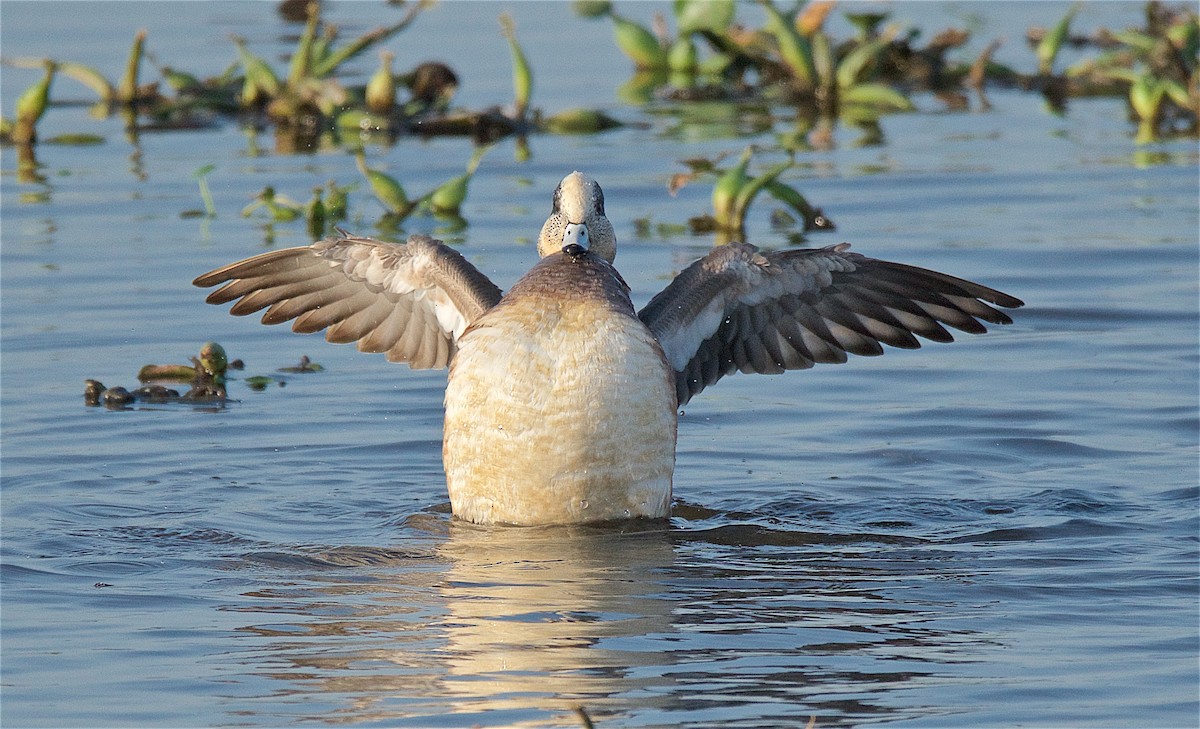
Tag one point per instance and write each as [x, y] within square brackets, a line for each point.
[409, 300]
[740, 309]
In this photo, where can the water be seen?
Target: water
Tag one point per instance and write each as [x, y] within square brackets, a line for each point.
[997, 532]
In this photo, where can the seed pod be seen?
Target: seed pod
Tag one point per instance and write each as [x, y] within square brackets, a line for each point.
[314, 214]
[381, 89]
[448, 198]
[30, 107]
[386, 190]
[213, 360]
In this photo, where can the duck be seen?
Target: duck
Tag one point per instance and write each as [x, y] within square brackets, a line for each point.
[562, 399]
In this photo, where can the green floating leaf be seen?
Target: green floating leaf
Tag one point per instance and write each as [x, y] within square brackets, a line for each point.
[592, 8]
[751, 189]
[1145, 96]
[127, 87]
[448, 198]
[725, 191]
[876, 95]
[579, 121]
[853, 67]
[639, 44]
[260, 382]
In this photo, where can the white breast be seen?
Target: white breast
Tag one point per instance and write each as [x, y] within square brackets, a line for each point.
[559, 412]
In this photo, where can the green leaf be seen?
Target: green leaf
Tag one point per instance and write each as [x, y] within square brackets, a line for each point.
[521, 73]
[1048, 49]
[877, 95]
[694, 16]
[751, 189]
[1177, 93]
[853, 67]
[387, 190]
[1145, 96]
[725, 191]
[638, 44]
[794, 48]
[89, 77]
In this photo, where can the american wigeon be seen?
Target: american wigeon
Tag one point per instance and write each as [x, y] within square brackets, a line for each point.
[562, 399]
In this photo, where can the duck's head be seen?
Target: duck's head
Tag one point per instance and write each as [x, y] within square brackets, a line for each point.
[578, 218]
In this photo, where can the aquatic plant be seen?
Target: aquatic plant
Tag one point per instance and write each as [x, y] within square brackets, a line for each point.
[380, 94]
[447, 198]
[521, 73]
[281, 208]
[387, 189]
[734, 190]
[1157, 69]
[201, 175]
[31, 105]
[790, 58]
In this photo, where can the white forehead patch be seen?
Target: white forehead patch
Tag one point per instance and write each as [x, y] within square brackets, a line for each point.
[575, 201]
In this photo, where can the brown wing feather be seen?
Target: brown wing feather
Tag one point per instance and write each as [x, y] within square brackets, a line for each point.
[739, 309]
[410, 300]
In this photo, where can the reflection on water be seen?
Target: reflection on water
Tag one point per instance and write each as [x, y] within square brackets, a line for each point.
[523, 626]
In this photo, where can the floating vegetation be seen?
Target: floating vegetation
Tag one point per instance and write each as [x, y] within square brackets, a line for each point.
[31, 105]
[792, 59]
[206, 376]
[1156, 67]
[790, 77]
[304, 365]
[446, 199]
[735, 189]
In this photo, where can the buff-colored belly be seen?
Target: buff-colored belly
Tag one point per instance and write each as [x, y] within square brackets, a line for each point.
[559, 416]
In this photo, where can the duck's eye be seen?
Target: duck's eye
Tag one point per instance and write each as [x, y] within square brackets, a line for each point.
[599, 200]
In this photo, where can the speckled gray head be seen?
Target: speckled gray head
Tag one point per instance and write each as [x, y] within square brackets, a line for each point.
[577, 218]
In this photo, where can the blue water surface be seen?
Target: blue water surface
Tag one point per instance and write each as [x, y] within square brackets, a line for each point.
[999, 532]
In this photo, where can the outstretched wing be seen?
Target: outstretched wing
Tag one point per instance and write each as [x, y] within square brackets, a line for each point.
[742, 309]
[410, 300]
